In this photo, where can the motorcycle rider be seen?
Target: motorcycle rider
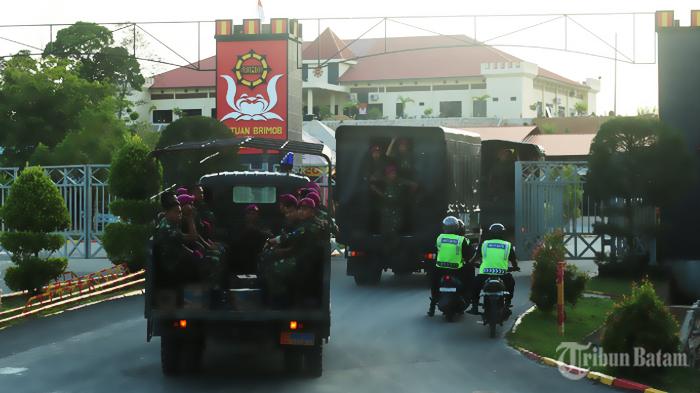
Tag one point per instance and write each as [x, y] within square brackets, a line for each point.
[453, 249]
[495, 253]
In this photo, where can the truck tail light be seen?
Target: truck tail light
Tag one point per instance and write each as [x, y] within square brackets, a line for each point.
[430, 256]
[356, 253]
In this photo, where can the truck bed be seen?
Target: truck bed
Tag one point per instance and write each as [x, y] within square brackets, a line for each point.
[253, 316]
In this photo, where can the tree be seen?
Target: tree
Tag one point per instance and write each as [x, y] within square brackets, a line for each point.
[134, 177]
[41, 101]
[32, 212]
[99, 135]
[581, 108]
[640, 161]
[187, 168]
[428, 112]
[89, 48]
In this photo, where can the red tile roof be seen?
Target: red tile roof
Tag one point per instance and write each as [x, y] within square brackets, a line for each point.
[186, 77]
[331, 47]
[419, 58]
[559, 145]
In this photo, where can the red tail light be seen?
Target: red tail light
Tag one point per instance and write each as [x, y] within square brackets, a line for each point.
[430, 256]
[356, 253]
[446, 278]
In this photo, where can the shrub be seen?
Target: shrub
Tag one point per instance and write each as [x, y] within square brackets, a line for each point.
[640, 321]
[33, 209]
[35, 204]
[127, 243]
[134, 178]
[544, 288]
[133, 174]
[185, 167]
[33, 273]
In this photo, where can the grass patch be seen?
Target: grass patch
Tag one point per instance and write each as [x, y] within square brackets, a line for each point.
[616, 287]
[9, 303]
[538, 331]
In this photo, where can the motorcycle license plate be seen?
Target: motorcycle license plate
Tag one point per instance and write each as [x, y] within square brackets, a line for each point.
[297, 338]
[448, 289]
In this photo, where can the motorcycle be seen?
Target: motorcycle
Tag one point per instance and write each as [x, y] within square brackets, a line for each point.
[451, 301]
[495, 310]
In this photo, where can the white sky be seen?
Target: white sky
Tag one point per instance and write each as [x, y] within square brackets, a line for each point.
[637, 84]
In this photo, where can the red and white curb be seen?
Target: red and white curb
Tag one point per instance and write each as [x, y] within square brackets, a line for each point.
[592, 375]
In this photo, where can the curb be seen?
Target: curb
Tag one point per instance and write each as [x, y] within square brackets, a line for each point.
[592, 375]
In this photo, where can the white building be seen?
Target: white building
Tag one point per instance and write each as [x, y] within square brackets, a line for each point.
[434, 76]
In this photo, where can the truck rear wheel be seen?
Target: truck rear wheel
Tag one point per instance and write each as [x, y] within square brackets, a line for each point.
[313, 361]
[293, 360]
[170, 355]
[368, 276]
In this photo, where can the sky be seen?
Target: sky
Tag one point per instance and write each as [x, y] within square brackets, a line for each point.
[593, 35]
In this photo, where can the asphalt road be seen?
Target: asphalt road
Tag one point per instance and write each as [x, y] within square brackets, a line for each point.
[381, 341]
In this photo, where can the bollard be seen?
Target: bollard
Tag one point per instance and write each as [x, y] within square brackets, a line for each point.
[561, 314]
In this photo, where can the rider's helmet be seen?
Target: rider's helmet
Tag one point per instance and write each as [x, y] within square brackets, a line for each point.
[497, 231]
[450, 225]
[462, 229]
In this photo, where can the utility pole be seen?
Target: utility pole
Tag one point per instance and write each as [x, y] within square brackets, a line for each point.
[615, 81]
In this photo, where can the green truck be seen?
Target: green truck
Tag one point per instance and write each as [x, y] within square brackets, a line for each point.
[185, 326]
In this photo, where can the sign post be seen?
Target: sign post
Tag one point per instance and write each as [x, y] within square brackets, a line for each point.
[561, 314]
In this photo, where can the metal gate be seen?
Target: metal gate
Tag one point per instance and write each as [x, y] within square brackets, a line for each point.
[550, 195]
[86, 193]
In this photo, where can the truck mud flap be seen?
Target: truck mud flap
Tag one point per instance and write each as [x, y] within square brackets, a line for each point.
[149, 330]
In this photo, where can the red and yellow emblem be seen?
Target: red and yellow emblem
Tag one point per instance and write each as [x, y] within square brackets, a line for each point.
[251, 69]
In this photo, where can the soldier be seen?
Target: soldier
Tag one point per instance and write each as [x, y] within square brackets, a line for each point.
[176, 263]
[390, 208]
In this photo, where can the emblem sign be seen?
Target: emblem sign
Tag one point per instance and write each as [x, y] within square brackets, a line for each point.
[251, 92]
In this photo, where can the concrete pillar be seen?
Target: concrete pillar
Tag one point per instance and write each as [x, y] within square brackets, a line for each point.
[333, 104]
[309, 101]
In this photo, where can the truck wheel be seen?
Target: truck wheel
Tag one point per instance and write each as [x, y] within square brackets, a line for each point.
[293, 360]
[170, 355]
[313, 359]
[368, 276]
[192, 353]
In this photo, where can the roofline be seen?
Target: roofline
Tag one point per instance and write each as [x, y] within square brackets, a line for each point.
[403, 79]
[182, 86]
[572, 83]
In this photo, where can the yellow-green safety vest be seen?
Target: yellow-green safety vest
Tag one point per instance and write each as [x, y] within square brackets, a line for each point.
[449, 249]
[494, 257]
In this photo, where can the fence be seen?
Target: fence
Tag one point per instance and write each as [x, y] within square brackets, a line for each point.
[86, 193]
[549, 195]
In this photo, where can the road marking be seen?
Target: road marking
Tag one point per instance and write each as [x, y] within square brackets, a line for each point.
[12, 370]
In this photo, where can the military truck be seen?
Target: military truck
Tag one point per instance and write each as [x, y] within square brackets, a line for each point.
[441, 174]
[186, 323]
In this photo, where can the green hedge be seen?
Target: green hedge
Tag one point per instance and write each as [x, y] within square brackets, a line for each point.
[127, 243]
[135, 211]
[133, 174]
[31, 242]
[33, 273]
[640, 320]
[544, 288]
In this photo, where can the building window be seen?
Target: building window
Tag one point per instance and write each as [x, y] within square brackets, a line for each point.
[191, 112]
[421, 103]
[513, 98]
[162, 96]
[495, 99]
[479, 108]
[451, 87]
[213, 112]
[397, 89]
[162, 117]
[333, 73]
[451, 109]
[190, 95]
[478, 86]
[305, 73]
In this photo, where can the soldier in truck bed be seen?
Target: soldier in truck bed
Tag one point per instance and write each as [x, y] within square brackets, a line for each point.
[177, 263]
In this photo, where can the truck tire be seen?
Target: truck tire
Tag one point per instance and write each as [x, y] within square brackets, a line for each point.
[170, 355]
[293, 361]
[191, 354]
[368, 276]
[313, 361]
